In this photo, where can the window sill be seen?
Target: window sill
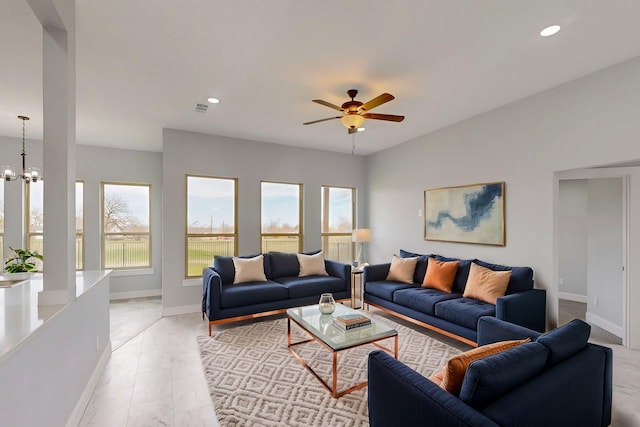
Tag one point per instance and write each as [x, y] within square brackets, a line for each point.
[133, 272]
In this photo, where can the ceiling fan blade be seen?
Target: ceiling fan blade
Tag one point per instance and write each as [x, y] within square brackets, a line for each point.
[388, 117]
[327, 104]
[378, 100]
[352, 130]
[322, 120]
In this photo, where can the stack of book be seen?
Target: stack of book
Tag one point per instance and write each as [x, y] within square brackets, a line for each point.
[349, 322]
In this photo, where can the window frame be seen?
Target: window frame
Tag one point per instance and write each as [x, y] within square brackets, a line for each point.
[325, 211]
[81, 235]
[103, 234]
[186, 219]
[300, 232]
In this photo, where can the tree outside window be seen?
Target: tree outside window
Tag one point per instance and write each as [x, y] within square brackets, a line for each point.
[126, 242]
[338, 215]
[281, 217]
[211, 221]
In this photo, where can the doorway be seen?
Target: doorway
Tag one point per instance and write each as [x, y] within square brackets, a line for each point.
[592, 239]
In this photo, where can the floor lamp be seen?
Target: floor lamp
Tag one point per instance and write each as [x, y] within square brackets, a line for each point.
[360, 235]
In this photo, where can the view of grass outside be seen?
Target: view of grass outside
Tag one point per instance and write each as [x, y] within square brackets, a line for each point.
[281, 216]
[35, 233]
[126, 240]
[211, 219]
[337, 206]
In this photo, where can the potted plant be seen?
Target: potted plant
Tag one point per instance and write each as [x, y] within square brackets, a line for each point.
[22, 261]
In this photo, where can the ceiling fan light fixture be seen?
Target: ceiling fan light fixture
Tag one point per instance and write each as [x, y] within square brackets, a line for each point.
[352, 121]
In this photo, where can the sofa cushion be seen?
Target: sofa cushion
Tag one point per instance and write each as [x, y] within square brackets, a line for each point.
[311, 265]
[440, 274]
[384, 289]
[461, 275]
[464, 311]
[421, 265]
[489, 378]
[565, 340]
[223, 265]
[249, 270]
[521, 277]
[250, 293]
[402, 269]
[421, 299]
[485, 284]
[284, 264]
[456, 367]
[311, 285]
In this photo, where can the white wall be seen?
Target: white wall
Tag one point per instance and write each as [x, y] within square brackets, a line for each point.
[94, 165]
[250, 162]
[604, 266]
[590, 121]
[572, 239]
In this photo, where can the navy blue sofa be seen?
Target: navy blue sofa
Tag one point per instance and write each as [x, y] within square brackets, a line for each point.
[224, 302]
[449, 313]
[558, 379]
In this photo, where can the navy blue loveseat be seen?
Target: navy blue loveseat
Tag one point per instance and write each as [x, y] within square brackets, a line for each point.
[558, 379]
[224, 302]
[449, 313]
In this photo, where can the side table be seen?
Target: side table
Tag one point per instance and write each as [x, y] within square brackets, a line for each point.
[356, 273]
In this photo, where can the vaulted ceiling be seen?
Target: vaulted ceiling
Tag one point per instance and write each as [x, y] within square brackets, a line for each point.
[143, 65]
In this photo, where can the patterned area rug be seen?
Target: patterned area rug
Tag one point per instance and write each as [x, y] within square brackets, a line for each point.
[255, 381]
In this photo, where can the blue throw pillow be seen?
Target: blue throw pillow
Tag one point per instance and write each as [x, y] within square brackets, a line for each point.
[491, 377]
[284, 264]
[565, 340]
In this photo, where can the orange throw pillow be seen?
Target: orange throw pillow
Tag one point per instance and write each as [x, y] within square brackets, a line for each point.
[456, 367]
[440, 274]
[485, 284]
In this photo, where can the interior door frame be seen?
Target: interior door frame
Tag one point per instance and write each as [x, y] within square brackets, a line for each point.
[595, 173]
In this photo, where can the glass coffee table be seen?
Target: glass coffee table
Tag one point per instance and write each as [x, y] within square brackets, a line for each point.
[320, 328]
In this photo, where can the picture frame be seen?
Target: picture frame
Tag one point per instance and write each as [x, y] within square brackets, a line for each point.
[466, 214]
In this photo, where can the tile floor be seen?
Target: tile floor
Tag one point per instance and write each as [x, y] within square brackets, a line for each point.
[155, 377]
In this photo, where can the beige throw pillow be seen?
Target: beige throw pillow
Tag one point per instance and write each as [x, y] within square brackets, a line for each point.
[402, 269]
[312, 265]
[485, 284]
[249, 270]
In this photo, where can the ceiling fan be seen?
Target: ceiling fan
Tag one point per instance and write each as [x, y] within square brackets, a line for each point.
[355, 112]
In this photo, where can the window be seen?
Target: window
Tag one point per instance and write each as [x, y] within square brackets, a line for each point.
[126, 237]
[35, 223]
[281, 217]
[337, 222]
[35, 220]
[211, 221]
[79, 225]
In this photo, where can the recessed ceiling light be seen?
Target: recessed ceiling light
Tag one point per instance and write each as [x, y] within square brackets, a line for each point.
[213, 100]
[550, 30]
[361, 129]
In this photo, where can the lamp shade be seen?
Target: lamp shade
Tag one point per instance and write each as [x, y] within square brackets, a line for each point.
[352, 121]
[361, 235]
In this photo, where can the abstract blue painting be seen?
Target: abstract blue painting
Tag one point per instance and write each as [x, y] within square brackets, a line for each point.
[466, 214]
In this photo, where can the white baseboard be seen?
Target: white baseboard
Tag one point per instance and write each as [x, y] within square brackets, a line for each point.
[604, 324]
[135, 294]
[78, 411]
[182, 309]
[573, 297]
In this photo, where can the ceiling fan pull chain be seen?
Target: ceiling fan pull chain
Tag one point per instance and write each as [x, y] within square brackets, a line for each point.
[353, 144]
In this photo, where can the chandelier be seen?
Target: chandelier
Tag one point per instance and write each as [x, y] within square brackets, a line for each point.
[28, 174]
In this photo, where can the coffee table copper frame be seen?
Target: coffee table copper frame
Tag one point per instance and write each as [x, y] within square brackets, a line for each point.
[334, 389]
